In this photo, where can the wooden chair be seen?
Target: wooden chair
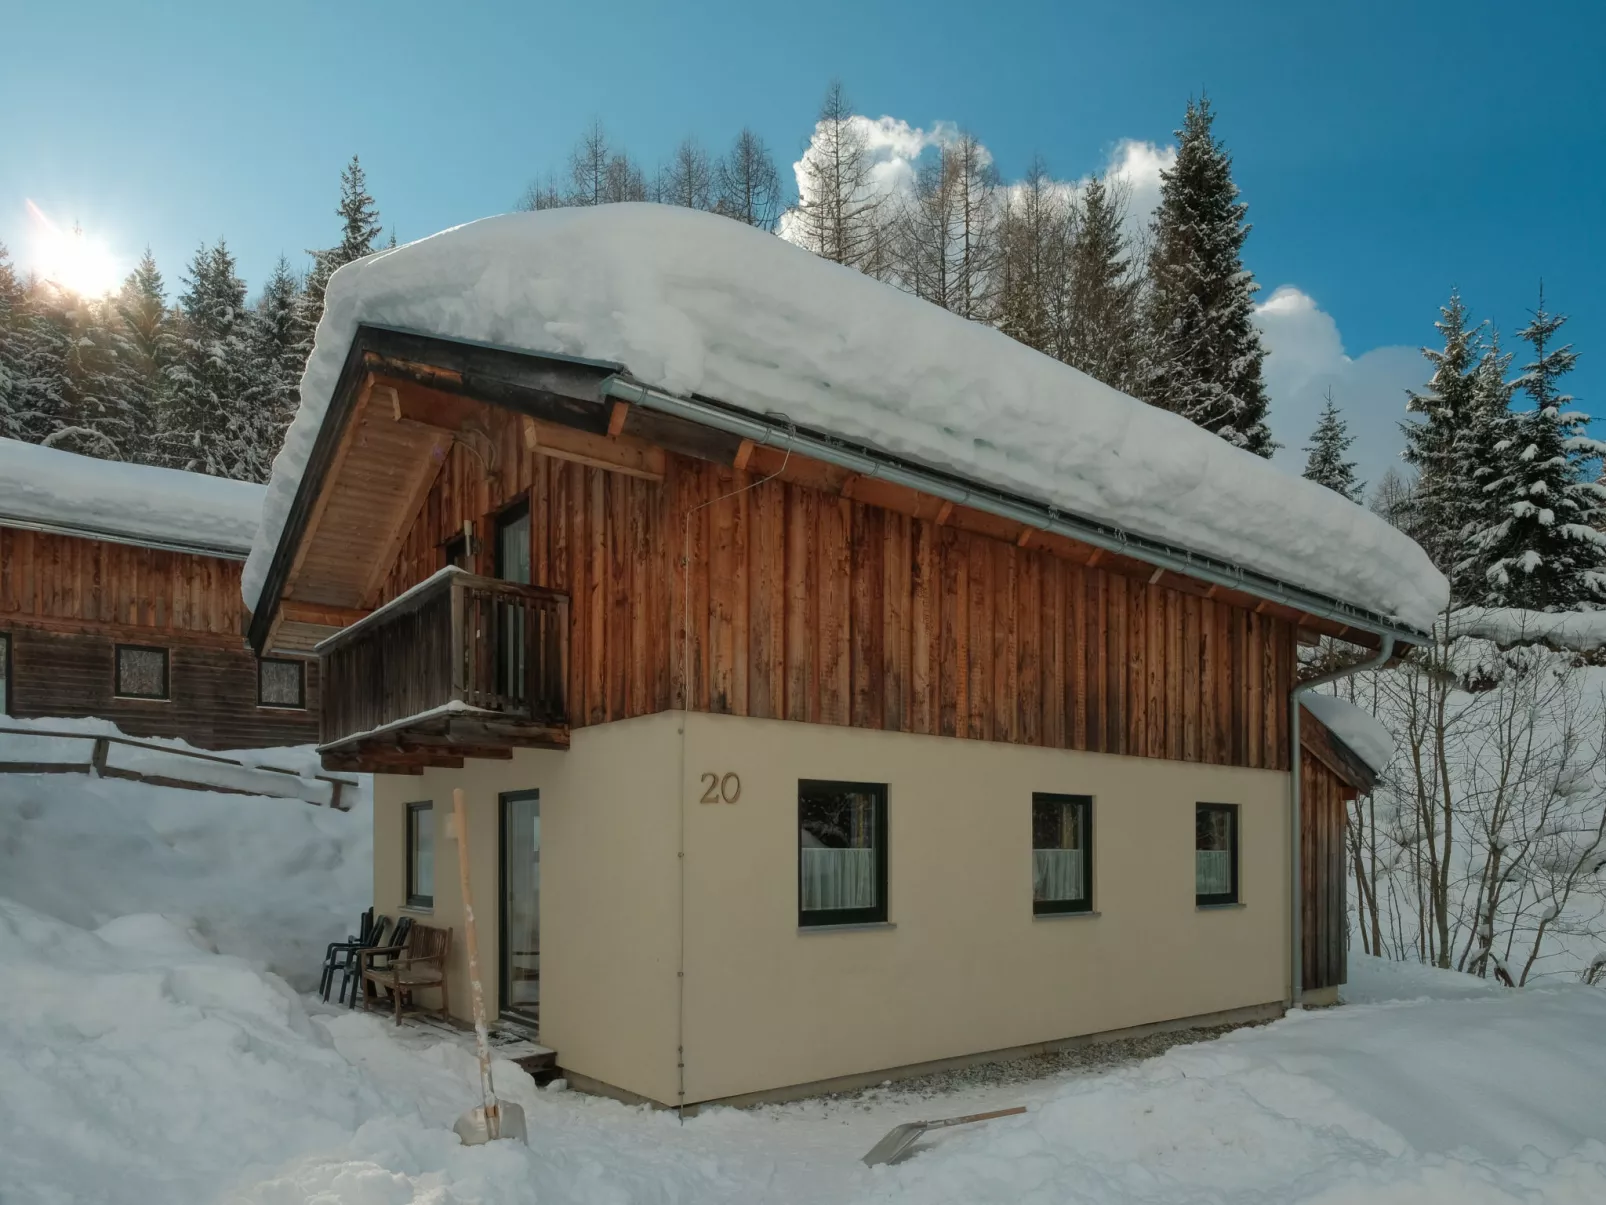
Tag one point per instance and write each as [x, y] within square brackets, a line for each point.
[418, 965]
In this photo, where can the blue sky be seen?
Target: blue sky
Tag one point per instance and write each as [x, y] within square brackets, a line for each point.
[1387, 151]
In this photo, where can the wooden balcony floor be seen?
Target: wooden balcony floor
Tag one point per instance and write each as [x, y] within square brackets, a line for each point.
[443, 738]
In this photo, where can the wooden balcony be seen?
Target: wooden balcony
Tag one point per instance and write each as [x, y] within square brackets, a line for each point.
[458, 666]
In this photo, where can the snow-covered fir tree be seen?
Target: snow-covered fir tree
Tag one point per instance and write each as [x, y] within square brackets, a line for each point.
[1103, 329]
[147, 346]
[275, 348]
[210, 422]
[360, 229]
[1206, 351]
[1326, 461]
[1442, 497]
[1480, 453]
[1539, 544]
[11, 303]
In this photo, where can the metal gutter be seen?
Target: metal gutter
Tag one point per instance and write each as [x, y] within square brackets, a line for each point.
[1296, 944]
[115, 537]
[776, 432]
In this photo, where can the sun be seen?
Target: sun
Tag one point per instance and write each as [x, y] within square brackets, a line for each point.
[72, 260]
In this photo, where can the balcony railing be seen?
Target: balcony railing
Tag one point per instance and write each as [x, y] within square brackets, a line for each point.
[457, 660]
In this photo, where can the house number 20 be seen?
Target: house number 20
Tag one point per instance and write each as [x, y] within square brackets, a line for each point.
[717, 789]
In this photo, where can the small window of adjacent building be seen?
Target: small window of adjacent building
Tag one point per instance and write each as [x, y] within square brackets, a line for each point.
[1216, 853]
[1062, 853]
[141, 672]
[513, 544]
[420, 855]
[282, 683]
[842, 853]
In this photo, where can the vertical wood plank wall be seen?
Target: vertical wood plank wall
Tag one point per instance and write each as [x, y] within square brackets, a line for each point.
[1324, 814]
[809, 606]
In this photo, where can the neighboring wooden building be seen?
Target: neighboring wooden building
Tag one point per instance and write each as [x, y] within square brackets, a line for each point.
[781, 749]
[120, 598]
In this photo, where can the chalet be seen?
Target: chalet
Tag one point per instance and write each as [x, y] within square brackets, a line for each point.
[120, 598]
[840, 688]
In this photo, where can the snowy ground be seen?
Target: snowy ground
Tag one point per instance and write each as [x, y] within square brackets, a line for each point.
[138, 1064]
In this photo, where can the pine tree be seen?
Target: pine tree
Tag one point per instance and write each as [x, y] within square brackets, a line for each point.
[747, 184]
[1103, 329]
[147, 346]
[1482, 451]
[839, 213]
[1540, 544]
[1325, 463]
[210, 421]
[688, 181]
[275, 338]
[1433, 446]
[360, 229]
[1036, 225]
[11, 368]
[1207, 351]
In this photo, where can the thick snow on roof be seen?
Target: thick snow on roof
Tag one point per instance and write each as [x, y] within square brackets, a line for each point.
[1579, 631]
[1362, 731]
[693, 303]
[110, 499]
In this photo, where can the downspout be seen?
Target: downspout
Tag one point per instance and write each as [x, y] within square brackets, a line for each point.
[1296, 907]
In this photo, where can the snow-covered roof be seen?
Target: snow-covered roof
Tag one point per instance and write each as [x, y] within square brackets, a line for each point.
[691, 303]
[1579, 631]
[1361, 731]
[52, 490]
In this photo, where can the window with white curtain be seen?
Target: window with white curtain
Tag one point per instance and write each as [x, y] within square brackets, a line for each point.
[842, 853]
[1062, 853]
[1215, 857]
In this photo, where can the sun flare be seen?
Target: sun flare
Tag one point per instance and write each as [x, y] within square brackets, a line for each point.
[71, 259]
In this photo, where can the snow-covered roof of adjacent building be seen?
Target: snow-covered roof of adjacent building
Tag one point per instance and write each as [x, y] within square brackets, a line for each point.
[50, 490]
[695, 304]
[1361, 731]
[1578, 631]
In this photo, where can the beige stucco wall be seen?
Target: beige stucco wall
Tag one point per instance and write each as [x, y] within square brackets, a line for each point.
[609, 890]
[963, 967]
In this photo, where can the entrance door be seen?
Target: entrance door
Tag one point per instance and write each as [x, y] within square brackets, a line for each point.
[521, 906]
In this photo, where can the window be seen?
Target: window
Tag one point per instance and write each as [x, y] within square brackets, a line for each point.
[513, 544]
[842, 853]
[141, 672]
[5, 672]
[281, 683]
[1216, 853]
[420, 855]
[1062, 853]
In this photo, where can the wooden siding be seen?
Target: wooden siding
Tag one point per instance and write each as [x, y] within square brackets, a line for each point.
[74, 584]
[214, 690]
[1324, 797]
[810, 605]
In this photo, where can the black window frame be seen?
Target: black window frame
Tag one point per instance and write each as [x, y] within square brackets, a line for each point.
[8, 680]
[1216, 899]
[836, 918]
[504, 519]
[1085, 904]
[301, 683]
[415, 900]
[167, 672]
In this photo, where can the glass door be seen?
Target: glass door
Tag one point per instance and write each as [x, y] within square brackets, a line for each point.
[521, 906]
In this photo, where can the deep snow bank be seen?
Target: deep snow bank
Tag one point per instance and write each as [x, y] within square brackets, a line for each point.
[271, 880]
[696, 304]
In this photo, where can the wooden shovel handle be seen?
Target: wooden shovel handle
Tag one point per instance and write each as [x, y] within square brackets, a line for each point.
[966, 1120]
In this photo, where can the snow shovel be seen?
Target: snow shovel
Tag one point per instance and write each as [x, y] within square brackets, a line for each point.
[492, 1119]
[901, 1137]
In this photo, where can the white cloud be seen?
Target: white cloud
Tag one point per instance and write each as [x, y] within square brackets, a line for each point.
[1306, 358]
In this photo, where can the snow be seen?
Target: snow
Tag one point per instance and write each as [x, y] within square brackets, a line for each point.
[62, 491]
[692, 303]
[148, 1052]
[1364, 734]
[1579, 631]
